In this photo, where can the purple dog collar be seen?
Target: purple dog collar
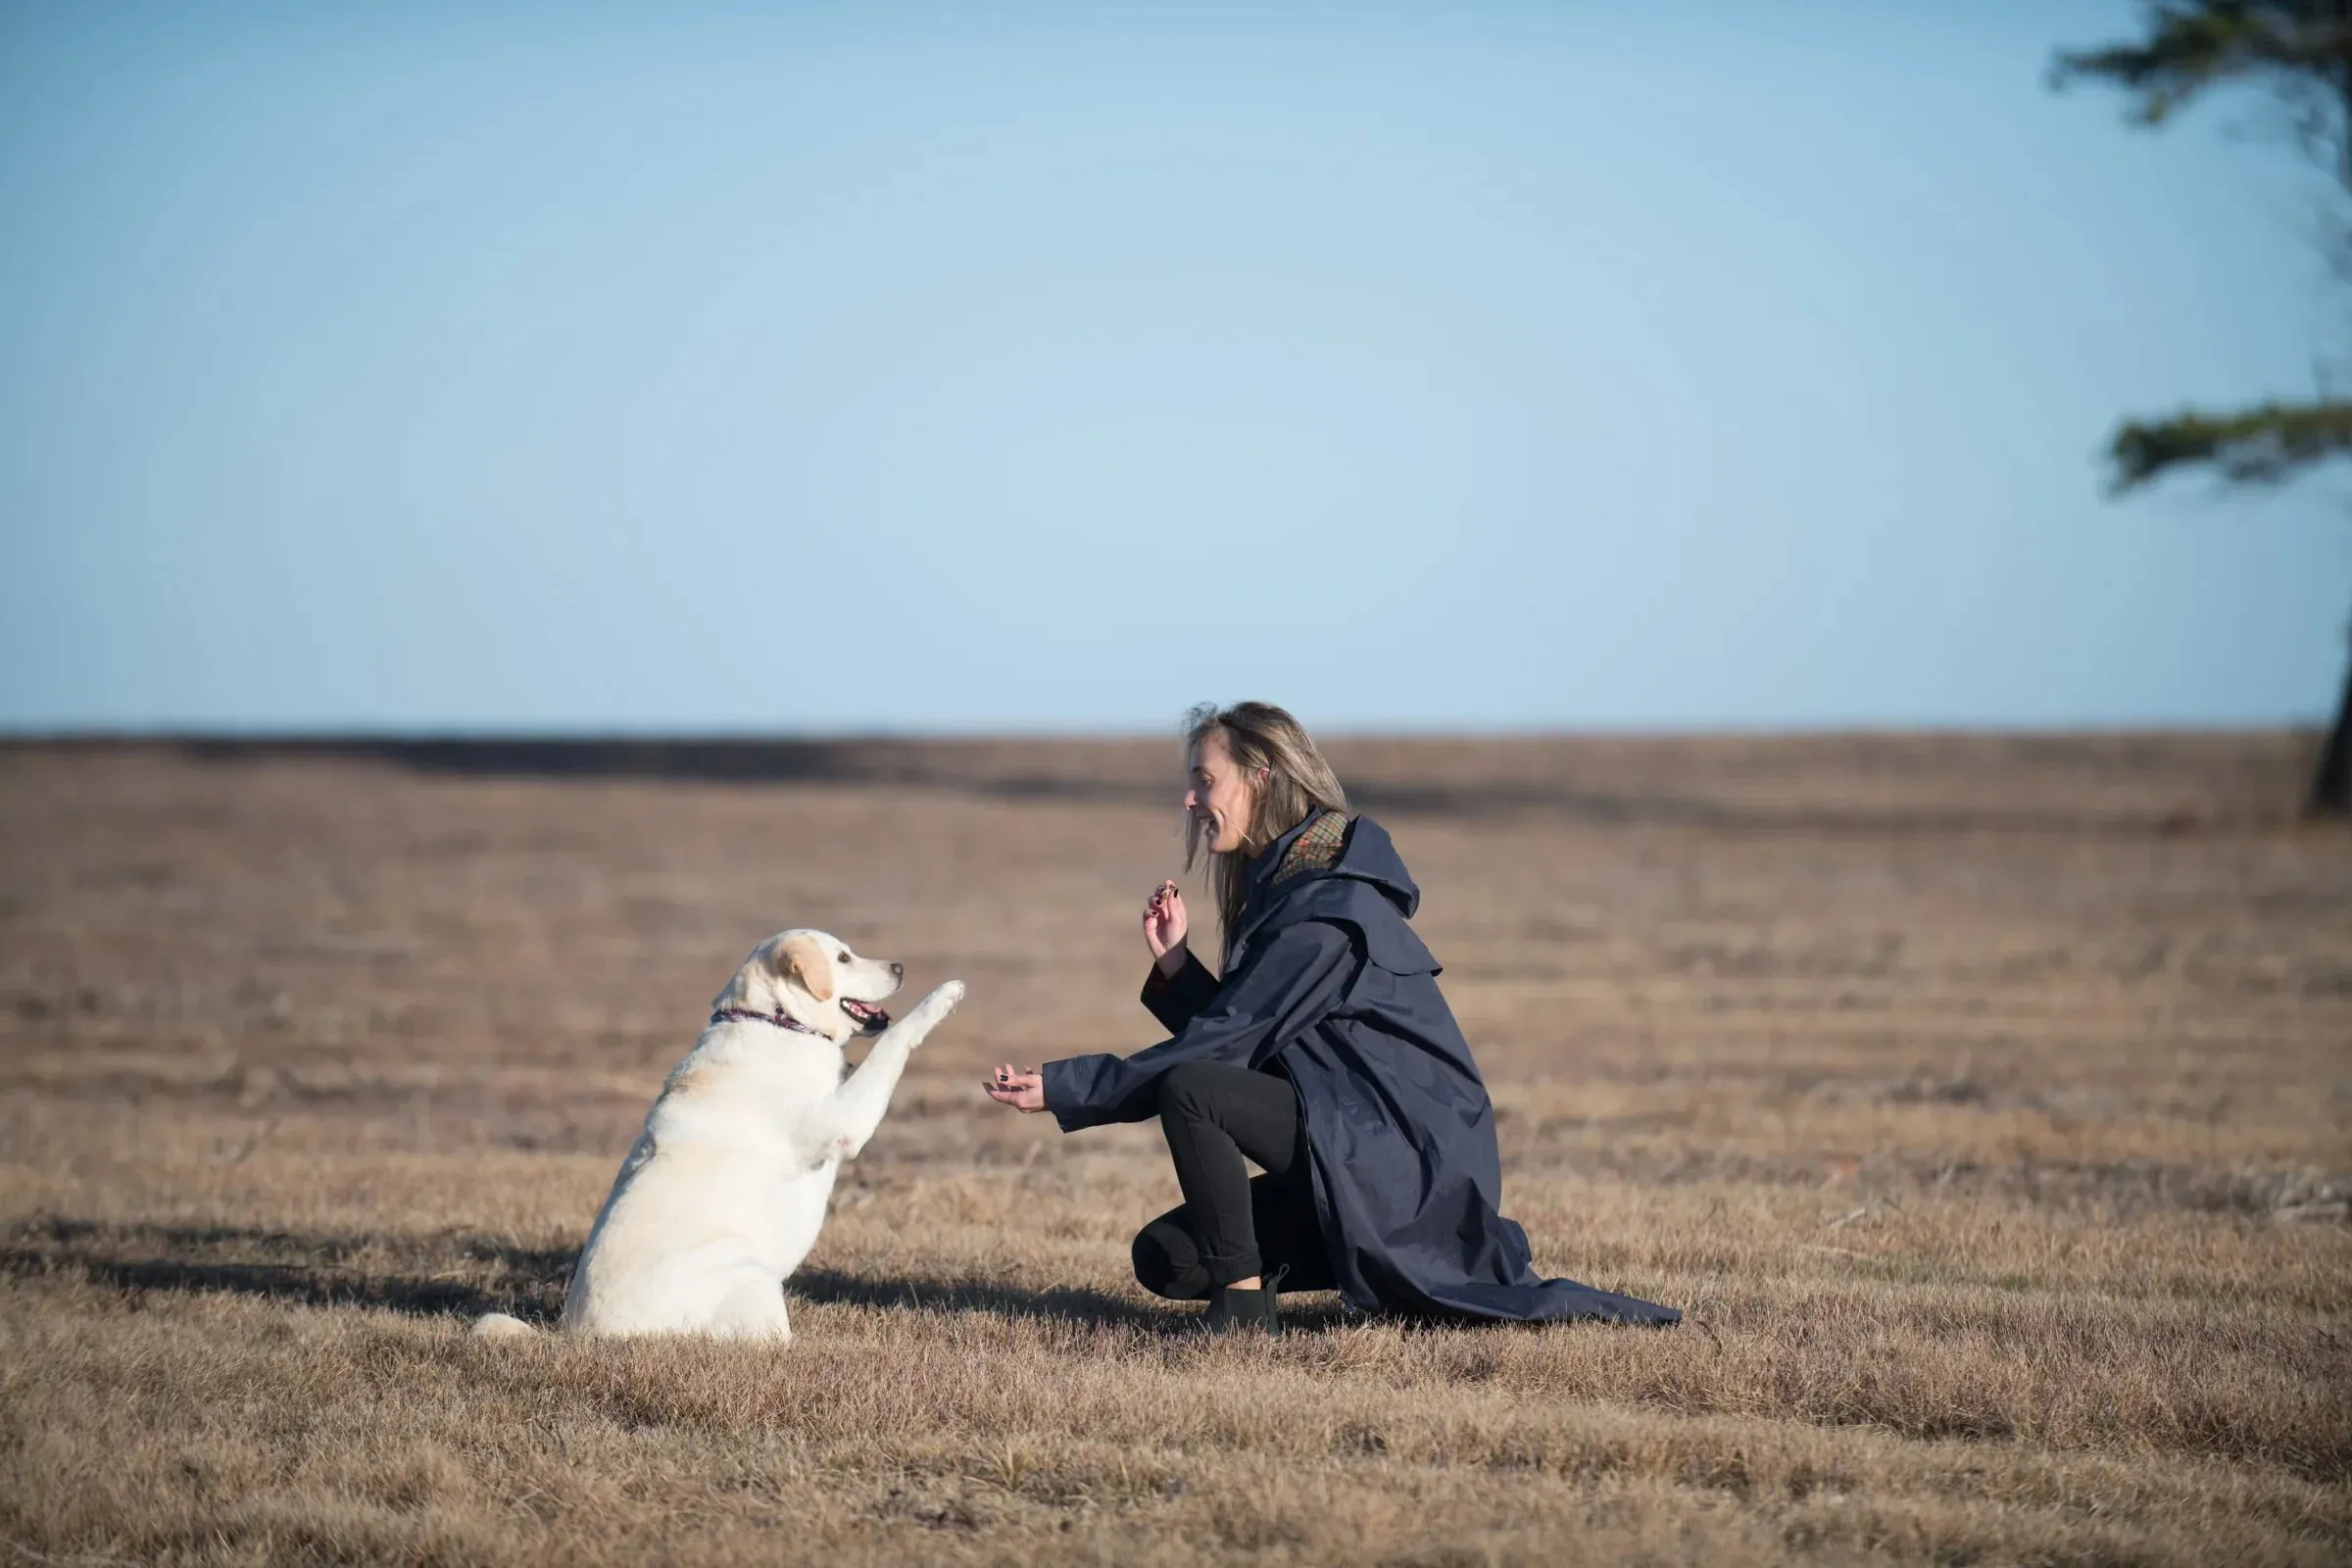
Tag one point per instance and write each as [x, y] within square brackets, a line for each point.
[746, 1015]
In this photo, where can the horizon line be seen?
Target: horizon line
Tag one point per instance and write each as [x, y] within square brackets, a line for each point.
[299, 735]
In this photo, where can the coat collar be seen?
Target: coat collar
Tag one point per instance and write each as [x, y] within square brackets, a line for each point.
[1315, 845]
[1351, 875]
[1315, 848]
[1276, 864]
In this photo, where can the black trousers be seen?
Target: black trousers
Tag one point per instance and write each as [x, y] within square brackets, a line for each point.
[1231, 1225]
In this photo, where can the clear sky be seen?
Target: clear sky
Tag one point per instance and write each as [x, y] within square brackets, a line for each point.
[702, 367]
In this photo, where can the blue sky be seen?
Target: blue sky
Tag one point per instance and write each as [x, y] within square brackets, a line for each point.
[1050, 367]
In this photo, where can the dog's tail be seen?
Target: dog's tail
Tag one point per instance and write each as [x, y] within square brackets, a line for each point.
[499, 1326]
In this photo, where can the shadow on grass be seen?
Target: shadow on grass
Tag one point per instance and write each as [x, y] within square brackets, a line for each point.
[419, 1276]
[1060, 1303]
[1066, 1303]
[425, 1276]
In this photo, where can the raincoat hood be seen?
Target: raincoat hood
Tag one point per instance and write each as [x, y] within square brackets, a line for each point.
[1364, 887]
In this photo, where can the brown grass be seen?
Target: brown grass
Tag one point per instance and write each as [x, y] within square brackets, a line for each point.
[1987, 1103]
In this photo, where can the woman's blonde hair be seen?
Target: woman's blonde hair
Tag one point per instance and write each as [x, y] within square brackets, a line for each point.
[1295, 784]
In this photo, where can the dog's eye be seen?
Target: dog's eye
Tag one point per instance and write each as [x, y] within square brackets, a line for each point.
[843, 956]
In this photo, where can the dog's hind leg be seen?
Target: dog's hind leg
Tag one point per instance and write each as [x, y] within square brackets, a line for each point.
[840, 1124]
[753, 1311]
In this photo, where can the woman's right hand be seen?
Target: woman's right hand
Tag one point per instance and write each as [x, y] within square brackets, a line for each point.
[1021, 1088]
[1164, 928]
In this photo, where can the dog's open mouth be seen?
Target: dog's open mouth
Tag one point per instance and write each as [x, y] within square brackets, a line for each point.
[869, 1018]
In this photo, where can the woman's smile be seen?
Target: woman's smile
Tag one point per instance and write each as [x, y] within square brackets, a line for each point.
[1220, 798]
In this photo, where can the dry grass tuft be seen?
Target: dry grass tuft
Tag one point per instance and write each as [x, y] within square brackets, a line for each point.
[1987, 1104]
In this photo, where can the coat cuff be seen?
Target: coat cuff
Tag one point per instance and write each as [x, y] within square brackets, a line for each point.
[1174, 999]
[1060, 1096]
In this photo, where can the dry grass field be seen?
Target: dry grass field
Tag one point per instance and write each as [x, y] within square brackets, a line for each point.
[1987, 1103]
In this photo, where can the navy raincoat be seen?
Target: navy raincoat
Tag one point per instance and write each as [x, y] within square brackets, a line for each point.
[1328, 985]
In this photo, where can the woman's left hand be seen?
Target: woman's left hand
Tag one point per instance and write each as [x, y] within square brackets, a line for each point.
[1022, 1089]
[1165, 926]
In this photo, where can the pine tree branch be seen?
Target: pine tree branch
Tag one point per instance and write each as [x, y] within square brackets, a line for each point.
[2260, 445]
[2190, 48]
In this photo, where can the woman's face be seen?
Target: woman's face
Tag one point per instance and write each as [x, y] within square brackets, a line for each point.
[1221, 797]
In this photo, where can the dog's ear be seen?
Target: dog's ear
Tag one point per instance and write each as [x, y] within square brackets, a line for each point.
[805, 958]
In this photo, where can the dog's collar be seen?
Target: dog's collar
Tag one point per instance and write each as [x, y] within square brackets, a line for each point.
[779, 1018]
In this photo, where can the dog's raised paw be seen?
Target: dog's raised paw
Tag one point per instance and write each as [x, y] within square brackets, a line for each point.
[938, 1005]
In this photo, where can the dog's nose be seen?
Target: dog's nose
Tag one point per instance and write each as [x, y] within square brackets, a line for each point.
[898, 971]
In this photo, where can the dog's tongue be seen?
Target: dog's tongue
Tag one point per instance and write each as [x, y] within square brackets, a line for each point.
[864, 1012]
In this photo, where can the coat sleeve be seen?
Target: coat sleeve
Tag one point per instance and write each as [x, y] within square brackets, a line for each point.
[1279, 990]
[1177, 1000]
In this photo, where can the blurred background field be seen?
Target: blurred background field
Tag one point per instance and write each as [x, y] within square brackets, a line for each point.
[1984, 1100]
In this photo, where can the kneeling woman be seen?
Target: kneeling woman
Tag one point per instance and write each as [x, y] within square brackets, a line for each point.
[1324, 1053]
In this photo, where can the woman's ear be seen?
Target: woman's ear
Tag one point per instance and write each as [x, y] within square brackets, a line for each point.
[805, 961]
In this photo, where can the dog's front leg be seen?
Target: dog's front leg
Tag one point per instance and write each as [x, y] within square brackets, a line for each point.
[847, 1117]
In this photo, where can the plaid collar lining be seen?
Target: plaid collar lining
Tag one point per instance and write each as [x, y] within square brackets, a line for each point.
[1315, 850]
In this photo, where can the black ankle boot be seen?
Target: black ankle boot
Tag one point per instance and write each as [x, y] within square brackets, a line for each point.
[1232, 1312]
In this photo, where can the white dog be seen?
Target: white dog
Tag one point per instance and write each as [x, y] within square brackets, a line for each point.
[723, 1193]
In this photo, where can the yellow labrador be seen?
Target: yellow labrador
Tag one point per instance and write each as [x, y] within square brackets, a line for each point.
[723, 1193]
